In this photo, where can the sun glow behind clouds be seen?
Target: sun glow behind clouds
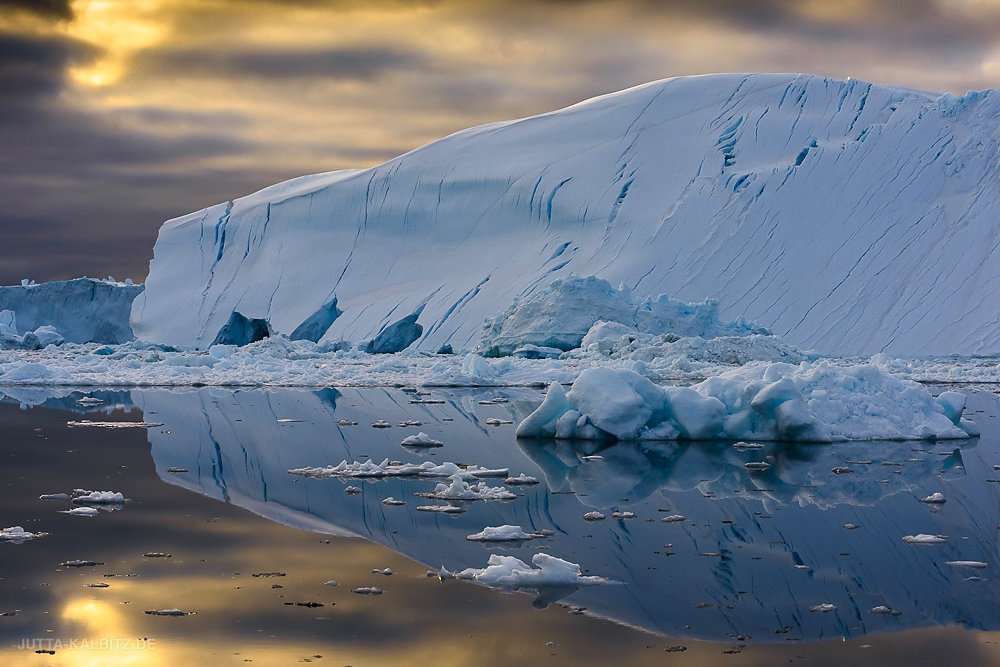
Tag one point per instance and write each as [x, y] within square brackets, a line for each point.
[120, 28]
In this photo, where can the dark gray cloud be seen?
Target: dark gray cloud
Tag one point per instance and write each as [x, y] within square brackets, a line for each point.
[32, 66]
[56, 9]
[356, 64]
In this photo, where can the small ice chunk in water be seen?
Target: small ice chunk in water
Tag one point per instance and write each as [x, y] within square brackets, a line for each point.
[924, 539]
[520, 479]
[823, 608]
[493, 421]
[841, 470]
[885, 611]
[80, 511]
[511, 572]
[421, 439]
[84, 497]
[458, 489]
[392, 502]
[368, 590]
[506, 533]
[979, 565]
[17, 534]
[54, 496]
[387, 571]
[381, 423]
[623, 515]
[674, 518]
[934, 499]
[346, 422]
[851, 526]
[168, 612]
[352, 490]
[741, 445]
[757, 465]
[593, 516]
[444, 509]
[332, 582]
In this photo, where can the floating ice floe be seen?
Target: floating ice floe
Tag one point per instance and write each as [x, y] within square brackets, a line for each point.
[924, 539]
[512, 573]
[81, 563]
[506, 533]
[54, 496]
[674, 518]
[98, 424]
[823, 608]
[17, 534]
[169, 612]
[934, 499]
[812, 402]
[387, 468]
[976, 564]
[352, 490]
[392, 502]
[441, 509]
[81, 511]
[84, 497]
[421, 439]
[885, 611]
[594, 516]
[521, 479]
[456, 488]
[368, 590]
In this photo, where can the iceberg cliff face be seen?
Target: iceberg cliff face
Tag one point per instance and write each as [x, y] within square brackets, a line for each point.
[847, 217]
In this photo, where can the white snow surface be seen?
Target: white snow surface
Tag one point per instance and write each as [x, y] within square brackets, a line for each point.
[814, 402]
[845, 216]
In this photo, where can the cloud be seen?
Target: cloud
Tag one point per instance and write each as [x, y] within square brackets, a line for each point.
[55, 9]
[33, 66]
[364, 63]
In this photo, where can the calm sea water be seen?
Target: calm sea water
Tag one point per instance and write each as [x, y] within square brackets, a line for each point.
[733, 583]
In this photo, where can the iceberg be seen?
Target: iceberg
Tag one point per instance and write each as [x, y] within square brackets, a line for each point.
[844, 216]
[83, 310]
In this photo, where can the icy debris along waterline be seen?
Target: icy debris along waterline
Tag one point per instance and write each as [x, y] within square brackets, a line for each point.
[362, 469]
[277, 361]
[512, 573]
[812, 402]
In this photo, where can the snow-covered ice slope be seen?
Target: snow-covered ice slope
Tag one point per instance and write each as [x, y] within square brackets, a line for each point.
[83, 310]
[847, 217]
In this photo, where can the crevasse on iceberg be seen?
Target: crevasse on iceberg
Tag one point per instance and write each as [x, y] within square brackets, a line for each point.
[843, 216]
[812, 402]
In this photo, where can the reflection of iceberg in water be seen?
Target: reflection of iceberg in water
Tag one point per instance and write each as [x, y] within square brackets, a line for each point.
[730, 568]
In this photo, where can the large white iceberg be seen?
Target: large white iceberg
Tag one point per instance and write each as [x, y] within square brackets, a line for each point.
[844, 216]
[813, 402]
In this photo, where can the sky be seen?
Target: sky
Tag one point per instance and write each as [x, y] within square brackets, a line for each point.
[116, 115]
